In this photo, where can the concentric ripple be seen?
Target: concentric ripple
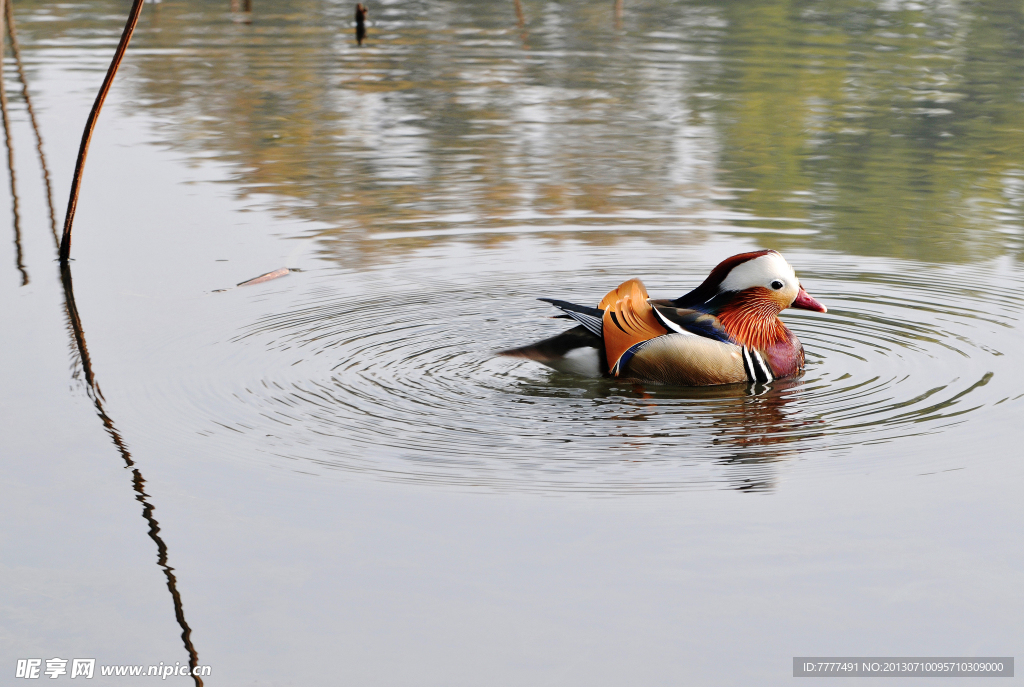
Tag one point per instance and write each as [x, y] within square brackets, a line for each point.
[392, 372]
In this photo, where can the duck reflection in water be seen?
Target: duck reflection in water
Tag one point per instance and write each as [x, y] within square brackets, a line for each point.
[763, 433]
[748, 429]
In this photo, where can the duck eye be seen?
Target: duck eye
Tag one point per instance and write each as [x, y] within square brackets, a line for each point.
[777, 285]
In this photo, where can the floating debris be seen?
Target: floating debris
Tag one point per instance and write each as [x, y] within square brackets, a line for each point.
[267, 277]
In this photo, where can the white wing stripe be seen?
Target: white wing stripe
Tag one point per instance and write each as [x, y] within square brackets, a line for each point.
[669, 324]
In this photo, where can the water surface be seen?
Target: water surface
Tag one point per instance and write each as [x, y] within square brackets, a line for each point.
[336, 463]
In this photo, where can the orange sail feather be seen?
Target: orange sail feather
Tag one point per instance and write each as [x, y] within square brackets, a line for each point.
[628, 319]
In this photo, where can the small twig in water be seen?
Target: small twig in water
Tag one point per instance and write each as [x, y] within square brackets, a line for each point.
[361, 13]
[266, 277]
[90, 124]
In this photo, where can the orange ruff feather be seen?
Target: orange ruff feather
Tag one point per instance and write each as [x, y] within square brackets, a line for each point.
[753, 320]
[628, 319]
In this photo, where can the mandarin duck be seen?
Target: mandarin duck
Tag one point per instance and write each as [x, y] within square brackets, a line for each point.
[725, 331]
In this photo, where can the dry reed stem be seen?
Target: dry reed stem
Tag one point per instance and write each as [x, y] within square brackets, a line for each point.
[90, 124]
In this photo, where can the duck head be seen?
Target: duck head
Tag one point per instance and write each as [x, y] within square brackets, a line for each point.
[763, 276]
[747, 292]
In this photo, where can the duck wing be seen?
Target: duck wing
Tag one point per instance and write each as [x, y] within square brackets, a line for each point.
[628, 320]
[687, 320]
[686, 360]
[622, 319]
[705, 325]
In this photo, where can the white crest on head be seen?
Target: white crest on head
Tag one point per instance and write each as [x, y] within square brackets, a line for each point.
[762, 272]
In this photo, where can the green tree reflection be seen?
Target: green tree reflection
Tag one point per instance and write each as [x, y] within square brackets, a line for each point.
[892, 127]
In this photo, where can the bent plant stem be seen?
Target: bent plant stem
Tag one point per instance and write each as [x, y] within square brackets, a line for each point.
[138, 481]
[19, 258]
[90, 124]
[12, 32]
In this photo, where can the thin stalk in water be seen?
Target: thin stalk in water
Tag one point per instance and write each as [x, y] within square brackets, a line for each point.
[90, 124]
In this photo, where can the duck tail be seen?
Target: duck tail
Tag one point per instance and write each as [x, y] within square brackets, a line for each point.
[577, 350]
[591, 318]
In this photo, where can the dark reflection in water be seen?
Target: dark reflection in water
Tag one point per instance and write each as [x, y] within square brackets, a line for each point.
[19, 258]
[753, 421]
[241, 11]
[361, 13]
[12, 33]
[520, 17]
[138, 482]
